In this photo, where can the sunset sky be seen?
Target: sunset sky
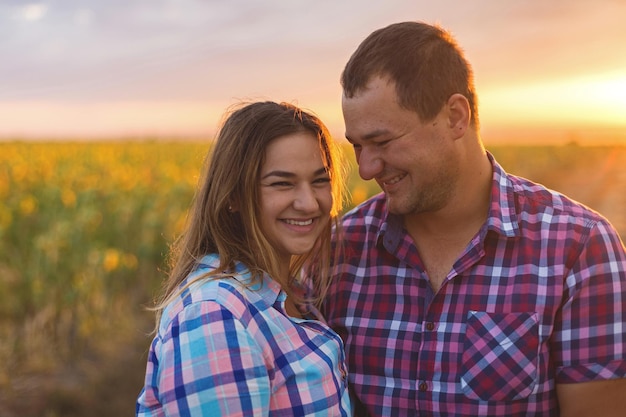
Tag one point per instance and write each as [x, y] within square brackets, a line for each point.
[545, 70]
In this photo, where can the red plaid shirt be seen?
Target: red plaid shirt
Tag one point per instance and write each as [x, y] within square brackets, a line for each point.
[536, 299]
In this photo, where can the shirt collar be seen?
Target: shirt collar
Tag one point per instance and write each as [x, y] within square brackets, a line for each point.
[391, 231]
[266, 291]
[502, 219]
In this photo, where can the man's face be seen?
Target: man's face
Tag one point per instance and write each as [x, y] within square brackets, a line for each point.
[411, 160]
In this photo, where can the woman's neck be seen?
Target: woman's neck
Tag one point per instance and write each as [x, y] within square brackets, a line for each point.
[291, 308]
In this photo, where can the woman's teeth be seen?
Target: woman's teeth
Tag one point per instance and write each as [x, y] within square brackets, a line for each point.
[299, 222]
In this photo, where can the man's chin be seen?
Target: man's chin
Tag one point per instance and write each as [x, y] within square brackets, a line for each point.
[393, 206]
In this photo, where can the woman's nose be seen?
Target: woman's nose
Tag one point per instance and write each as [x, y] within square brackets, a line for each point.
[306, 199]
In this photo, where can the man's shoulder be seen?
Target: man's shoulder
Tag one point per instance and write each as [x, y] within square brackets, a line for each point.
[533, 197]
[374, 208]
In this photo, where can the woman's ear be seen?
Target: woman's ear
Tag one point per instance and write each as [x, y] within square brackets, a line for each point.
[233, 207]
[459, 114]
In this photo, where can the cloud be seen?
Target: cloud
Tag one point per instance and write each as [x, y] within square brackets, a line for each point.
[89, 51]
[84, 17]
[30, 12]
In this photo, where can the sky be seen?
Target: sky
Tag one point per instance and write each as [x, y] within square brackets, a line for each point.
[544, 70]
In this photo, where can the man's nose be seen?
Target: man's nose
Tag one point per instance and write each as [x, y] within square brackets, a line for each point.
[370, 164]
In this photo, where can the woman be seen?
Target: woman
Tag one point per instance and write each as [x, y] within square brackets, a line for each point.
[238, 333]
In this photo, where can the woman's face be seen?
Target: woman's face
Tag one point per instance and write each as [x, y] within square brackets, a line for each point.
[295, 194]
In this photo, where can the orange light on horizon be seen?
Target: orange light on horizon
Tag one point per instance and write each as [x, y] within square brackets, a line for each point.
[572, 104]
[106, 119]
[596, 100]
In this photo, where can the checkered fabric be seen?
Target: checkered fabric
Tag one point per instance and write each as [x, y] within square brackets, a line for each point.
[225, 348]
[537, 298]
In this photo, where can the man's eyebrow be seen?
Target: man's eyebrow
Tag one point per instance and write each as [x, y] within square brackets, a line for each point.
[371, 135]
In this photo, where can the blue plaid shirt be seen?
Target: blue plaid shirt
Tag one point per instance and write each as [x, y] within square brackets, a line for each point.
[224, 349]
[537, 298]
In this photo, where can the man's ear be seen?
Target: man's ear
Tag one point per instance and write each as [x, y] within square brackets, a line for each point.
[459, 114]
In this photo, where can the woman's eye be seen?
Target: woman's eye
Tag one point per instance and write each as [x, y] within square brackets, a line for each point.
[321, 182]
[280, 184]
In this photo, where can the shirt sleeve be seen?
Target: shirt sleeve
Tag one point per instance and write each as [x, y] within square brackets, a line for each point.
[589, 338]
[209, 364]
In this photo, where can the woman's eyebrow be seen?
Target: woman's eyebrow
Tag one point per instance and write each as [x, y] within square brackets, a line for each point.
[278, 173]
[287, 174]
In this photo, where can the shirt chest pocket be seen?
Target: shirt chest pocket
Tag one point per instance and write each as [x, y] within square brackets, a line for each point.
[499, 361]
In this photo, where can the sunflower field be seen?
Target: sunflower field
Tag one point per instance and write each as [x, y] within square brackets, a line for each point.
[84, 234]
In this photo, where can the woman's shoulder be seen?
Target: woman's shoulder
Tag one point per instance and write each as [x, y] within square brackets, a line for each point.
[203, 292]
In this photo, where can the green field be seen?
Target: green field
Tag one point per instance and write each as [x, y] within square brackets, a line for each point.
[84, 228]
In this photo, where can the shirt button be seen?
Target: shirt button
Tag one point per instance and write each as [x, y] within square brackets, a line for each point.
[430, 326]
[423, 386]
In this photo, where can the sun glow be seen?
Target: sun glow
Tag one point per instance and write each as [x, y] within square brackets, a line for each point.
[583, 101]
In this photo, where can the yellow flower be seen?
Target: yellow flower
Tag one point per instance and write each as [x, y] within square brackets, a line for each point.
[28, 205]
[68, 197]
[111, 260]
[359, 194]
[130, 261]
[4, 184]
[5, 218]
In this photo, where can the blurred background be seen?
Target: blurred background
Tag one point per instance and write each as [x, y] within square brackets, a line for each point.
[164, 68]
[107, 110]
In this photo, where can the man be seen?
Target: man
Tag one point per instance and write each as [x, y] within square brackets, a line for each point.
[463, 290]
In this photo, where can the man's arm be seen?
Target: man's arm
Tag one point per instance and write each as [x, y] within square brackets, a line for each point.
[593, 399]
